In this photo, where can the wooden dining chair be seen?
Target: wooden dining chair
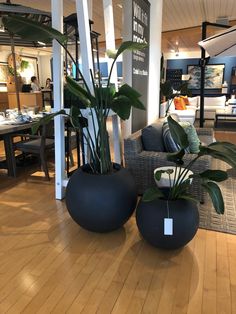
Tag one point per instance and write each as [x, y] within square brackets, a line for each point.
[38, 145]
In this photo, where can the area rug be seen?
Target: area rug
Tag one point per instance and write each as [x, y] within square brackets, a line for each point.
[209, 219]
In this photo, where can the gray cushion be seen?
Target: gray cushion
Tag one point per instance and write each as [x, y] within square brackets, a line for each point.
[152, 137]
[34, 144]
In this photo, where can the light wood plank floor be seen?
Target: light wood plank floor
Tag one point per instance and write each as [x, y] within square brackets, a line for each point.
[48, 264]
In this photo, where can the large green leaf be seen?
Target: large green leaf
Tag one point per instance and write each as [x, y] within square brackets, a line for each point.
[151, 194]
[176, 157]
[105, 95]
[181, 188]
[125, 89]
[188, 197]
[178, 133]
[213, 175]
[79, 92]
[129, 45]
[75, 116]
[223, 155]
[216, 196]
[224, 148]
[45, 120]
[132, 94]
[32, 30]
[226, 145]
[122, 106]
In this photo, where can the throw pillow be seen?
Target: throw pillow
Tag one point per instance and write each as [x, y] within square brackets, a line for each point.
[193, 101]
[152, 138]
[169, 143]
[171, 146]
[179, 103]
[193, 139]
[185, 100]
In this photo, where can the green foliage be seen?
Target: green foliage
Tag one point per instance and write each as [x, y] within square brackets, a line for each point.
[32, 30]
[24, 65]
[98, 101]
[151, 194]
[177, 132]
[179, 189]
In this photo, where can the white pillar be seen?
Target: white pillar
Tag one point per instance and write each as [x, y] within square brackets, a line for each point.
[154, 59]
[57, 23]
[90, 9]
[111, 45]
[86, 58]
[127, 60]
[85, 39]
[110, 35]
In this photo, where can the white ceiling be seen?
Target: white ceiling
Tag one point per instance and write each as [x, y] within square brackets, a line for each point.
[177, 14]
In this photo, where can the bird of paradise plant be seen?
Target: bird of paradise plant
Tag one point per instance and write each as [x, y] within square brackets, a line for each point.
[99, 101]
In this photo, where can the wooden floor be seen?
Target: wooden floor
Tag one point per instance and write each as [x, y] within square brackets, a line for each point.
[48, 264]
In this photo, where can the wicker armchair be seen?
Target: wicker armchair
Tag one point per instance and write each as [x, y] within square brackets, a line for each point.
[142, 163]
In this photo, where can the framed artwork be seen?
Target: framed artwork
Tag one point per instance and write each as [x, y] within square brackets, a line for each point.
[31, 68]
[214, 76]
[3, 72]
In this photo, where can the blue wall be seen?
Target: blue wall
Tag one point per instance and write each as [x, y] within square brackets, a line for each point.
[229, 62]
[103, 69]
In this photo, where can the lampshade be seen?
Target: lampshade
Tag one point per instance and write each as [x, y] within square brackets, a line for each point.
[185, 77]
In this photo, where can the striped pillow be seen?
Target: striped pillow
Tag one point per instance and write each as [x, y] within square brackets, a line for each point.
[169, 143]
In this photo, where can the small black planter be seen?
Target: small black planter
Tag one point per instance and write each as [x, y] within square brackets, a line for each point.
[101, 203]
[150, 221]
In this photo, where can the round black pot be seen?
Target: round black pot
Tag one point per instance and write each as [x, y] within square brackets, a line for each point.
[150, 221]
[101, 203]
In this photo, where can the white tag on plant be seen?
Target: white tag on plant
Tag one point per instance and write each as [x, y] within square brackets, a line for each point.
[168, 226]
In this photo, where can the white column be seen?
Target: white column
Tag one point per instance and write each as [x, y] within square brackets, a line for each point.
[57, 23]
[85, 40]
[110, 35]
[127, 59]
[86, 58]
[155, 59]
[111, 45]
[90, 9]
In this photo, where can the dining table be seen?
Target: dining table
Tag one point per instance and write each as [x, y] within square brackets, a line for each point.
[7, 132]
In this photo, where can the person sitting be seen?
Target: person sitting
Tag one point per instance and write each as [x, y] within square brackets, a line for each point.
[35, 84]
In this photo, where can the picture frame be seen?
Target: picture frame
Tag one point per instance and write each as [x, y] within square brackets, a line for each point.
[32, 69]
[4, 73]
[214, 76]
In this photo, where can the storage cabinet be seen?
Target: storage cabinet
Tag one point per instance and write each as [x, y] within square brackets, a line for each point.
[26, 100]
[3, 101]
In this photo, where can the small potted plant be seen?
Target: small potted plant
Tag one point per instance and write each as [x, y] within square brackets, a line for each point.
[168, 217]
[101, 195]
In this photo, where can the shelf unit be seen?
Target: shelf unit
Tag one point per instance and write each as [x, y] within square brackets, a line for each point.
[175, 77]
[232, 86]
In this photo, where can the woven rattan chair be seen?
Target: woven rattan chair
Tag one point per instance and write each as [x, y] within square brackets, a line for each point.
[142, 163]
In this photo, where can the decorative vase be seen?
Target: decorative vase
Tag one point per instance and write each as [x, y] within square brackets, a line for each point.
[101, 203]
[150, 221]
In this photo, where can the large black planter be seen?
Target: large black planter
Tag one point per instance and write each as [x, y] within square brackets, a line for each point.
[101, 203]
[150, 221]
